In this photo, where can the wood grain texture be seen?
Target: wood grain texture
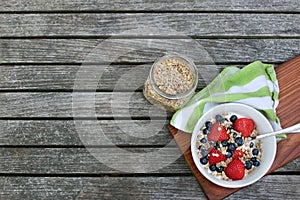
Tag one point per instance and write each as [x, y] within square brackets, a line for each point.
[79, 104]
[100, 188]
[145, 50]
[158, 5]
[108, 24]
[64, 132]
[270, 187]
[290, 96]
[74, 161]
[184, 187]
[62, 77]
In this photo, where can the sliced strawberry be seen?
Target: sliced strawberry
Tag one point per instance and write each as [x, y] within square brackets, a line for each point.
[215, 156]
[235, 170]
[218, 133]
[238, 153]
[244, 126]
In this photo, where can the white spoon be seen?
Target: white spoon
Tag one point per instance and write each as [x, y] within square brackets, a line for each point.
[292, 129]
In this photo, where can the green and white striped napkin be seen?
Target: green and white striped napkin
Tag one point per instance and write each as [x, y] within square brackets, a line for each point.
[254, 85]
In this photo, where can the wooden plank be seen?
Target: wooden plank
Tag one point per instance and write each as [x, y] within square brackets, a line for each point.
[274, 187]
[41, 77]
[81, 161]
[70, 161]
[99, 188]
[62, 77]
[159, 5]
[64, 132]
[107, 24]
[79, 104]
[271, 187]
[84, 50]
[61, 104]
[293, 166]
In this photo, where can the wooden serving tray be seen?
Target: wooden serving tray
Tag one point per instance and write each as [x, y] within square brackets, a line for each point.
[288, 75]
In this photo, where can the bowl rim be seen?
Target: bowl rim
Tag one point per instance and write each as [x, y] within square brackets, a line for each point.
[205, 173]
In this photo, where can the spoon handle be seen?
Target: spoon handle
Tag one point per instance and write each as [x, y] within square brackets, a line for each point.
[292, 129]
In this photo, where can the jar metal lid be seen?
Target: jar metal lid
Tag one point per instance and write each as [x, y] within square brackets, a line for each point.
[191, 66]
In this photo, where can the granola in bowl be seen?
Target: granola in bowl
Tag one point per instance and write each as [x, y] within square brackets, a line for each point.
[224, 148]
[219, 144]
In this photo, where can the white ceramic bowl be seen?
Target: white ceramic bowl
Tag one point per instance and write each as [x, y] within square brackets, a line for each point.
[269, 144]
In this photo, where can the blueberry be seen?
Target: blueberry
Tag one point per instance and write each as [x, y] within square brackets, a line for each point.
[239, 141]
[256, 163]
[234, 134]
[233, 118]
[253, 159]
[228, 154]
[206, 131]
[231, 147]
[230, 127]
[203, 140]
[255, 152]
[219, 118]
[203, 150]
[204, 160]
[248, 164]
[224, 143]
[251, 144]
[217, 145]
[208, 124]
[212, 167]
[220, 169]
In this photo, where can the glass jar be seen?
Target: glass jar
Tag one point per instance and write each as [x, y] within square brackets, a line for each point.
[172, 81]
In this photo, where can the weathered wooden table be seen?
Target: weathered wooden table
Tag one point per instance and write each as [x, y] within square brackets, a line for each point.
[45, 44]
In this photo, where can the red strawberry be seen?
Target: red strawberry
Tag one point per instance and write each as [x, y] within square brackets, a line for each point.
[244, 126]
[238, 154]
[235, 170]
[215, 156]
[218, 133]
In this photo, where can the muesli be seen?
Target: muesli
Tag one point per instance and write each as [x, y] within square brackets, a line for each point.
[226, 146]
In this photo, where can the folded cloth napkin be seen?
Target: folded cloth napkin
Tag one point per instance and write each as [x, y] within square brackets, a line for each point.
[254, 85]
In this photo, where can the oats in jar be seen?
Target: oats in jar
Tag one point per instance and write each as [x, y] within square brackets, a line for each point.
[171, 83]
